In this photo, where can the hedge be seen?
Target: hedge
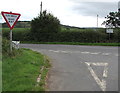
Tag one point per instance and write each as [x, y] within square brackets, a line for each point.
[83, 36]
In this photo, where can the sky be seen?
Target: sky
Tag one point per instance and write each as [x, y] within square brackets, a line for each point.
[79, 13]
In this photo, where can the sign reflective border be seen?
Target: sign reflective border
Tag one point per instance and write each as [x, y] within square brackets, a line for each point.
[10, 18]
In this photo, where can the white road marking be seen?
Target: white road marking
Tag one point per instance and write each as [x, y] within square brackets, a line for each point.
[101, 83]
[106, 54]
[99, 64]
[64, 51]
[95, 53]
[116, 55]
[85, 52]
[57, 51]
[51, 50]
[105, 71]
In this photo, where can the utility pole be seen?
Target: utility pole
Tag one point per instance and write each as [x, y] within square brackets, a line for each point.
[119, 8]
[41, 8]
[97, 21]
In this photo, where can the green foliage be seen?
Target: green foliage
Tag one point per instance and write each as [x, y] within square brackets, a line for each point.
[67, 35]
[44, 24]
[80, 36]
[6, 49]
[113, 19]
[22, 34]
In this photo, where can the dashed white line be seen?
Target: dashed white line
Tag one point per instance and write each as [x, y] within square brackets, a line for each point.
[85, 52]
[106, 54]
[95, 53]
[51, 50]
[56, 51]
[64, 51]
[116, 55]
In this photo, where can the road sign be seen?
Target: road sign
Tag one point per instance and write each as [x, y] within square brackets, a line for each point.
[109, 30]
[10, 18]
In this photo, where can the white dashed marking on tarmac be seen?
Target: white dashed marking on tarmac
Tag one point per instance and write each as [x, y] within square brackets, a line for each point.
[64, 51]
[116, 55]
[106, 54]
[95, 53]
[85, 52]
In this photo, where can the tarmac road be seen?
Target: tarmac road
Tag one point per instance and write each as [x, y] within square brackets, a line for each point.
[80, 68]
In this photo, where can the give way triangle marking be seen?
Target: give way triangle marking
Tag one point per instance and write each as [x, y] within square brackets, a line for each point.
[101, 83]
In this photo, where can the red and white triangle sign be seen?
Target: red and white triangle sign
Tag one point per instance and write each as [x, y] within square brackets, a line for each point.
[10, 18]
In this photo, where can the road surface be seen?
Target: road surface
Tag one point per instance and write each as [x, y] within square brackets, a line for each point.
[80, 68]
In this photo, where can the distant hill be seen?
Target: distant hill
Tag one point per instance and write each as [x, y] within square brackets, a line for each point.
[74, 27]
[19, 24]
[26, 24]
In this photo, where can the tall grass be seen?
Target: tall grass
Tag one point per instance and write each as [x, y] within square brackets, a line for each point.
[21, 69]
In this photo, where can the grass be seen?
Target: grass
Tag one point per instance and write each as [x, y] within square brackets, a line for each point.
[20, 72]
[74, 43]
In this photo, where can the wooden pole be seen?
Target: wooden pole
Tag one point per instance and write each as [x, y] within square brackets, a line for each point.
[41, 8]
[97, 21]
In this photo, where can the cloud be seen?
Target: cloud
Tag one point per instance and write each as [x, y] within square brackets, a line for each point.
[70, 12]
[94, 8]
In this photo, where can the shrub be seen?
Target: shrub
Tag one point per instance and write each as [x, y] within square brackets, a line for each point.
[6, 49]
[67, 35]
[44, 24]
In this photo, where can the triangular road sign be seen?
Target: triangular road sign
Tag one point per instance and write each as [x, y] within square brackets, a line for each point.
[101, 83]
[10, 18]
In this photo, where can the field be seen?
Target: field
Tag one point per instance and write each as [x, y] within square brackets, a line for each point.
[16, 29]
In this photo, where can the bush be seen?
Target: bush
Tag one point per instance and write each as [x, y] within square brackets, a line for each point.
[67, 35]
[44, 25]
[6, 49]
[5, 46]
[19, 34]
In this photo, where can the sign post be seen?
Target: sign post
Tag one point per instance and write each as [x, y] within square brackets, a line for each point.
[11, 19]
[11, 40]
[109, 31]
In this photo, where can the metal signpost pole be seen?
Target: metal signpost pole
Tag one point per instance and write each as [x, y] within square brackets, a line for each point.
[109, 37]
[10, 40]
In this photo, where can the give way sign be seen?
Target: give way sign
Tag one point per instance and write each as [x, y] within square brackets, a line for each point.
[10, 18]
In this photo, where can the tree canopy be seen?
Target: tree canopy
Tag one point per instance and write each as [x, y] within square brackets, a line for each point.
[45, 23]
[112, 20]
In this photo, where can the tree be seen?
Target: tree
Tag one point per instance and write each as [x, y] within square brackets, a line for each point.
[113, 20]
[43, 25]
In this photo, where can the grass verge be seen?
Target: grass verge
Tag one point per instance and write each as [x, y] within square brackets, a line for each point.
[74, 43]
[20, 72]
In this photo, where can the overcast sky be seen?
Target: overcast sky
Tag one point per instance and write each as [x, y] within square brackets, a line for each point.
[81, 13]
